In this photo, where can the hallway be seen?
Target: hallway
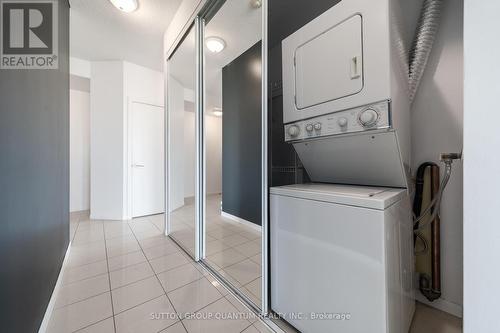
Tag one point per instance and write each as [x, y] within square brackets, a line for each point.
[128, 277]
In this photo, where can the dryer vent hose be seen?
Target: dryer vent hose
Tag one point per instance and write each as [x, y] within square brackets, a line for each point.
[425, 35]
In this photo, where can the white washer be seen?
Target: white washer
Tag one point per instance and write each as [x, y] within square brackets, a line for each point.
[343, 250]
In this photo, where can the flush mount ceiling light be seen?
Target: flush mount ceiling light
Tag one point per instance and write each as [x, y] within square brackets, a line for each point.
[217, 112]
[215, 44]
[126, 6]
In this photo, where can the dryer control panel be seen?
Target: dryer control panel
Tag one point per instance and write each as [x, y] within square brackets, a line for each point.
[360, 119]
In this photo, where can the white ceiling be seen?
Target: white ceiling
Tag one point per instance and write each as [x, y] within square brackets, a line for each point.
[99, 31]
[240, 25]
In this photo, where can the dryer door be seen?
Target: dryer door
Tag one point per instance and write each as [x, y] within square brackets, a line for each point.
[330, 65]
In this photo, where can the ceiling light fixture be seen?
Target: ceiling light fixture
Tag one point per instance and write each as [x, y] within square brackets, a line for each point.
[126, 6]
[215, 44]
[256, 3]
[217, 112]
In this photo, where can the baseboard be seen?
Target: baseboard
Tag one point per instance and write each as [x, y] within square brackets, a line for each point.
[242, 221]
[441, 304]
[108, 218]
[50, 306]
[78, 213]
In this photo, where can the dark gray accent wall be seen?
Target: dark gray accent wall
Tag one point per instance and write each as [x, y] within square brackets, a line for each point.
[34, 186]
[241, 136]
[288, 16]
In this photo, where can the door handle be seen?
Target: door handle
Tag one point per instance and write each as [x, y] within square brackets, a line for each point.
[356, 67]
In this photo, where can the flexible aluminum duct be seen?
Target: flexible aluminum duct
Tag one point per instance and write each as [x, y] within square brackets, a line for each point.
[428, 25]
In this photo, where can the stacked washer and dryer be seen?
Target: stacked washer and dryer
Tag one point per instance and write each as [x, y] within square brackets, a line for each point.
[342, 246]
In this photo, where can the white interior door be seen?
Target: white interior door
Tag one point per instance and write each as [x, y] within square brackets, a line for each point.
[147, 159]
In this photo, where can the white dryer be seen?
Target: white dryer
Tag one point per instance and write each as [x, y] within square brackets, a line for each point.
[345, 94]
[342, 258]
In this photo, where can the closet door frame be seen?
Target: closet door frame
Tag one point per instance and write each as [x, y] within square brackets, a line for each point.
[208, 10]
[199, 148]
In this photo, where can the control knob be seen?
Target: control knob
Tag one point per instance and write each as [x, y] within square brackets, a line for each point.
[293, 130]
[368, 117]
[317, 126]
[309, 127]
[342, 121]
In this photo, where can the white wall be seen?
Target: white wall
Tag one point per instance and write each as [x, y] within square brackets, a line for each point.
[481, 165]
[179, 25]
[79, 67]
[189, 144]
[106, 140]
[79, 114]
[183, 148]
[141, 85]
[79, 108]
[176, 135]
[114, 86]
[181, 22]
[437, 123]
[213, 151]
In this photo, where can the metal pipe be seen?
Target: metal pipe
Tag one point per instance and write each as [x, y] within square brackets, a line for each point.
[435, 242]
[435, 204]
[430, 285]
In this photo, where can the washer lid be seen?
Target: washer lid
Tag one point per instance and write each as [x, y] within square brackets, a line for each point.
[361, 196]
[372, 158]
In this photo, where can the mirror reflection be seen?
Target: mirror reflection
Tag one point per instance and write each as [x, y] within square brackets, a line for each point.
[232, 115]
[182, 149]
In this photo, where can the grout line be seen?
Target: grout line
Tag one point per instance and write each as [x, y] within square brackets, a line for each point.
[171, 269]
[247, 257]
[127, 266]
[128, 284]
[88, 277]
[97, 322]
[109, 280]
[89, 263]
[226, 298]
[251, 324]
[239, 262]
[234, 247]
[154, 274]
[137, 305]
[203, 276]
[161, 285]
[218, 299]
[83, 299]
[151, 298]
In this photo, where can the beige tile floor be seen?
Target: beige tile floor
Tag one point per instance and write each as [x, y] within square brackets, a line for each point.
[233, 249]
[425, 320]
[128, 277]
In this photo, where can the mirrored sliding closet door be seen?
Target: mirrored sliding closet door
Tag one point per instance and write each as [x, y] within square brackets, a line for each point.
[232, 49]
[216, 169]
[181, 83]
